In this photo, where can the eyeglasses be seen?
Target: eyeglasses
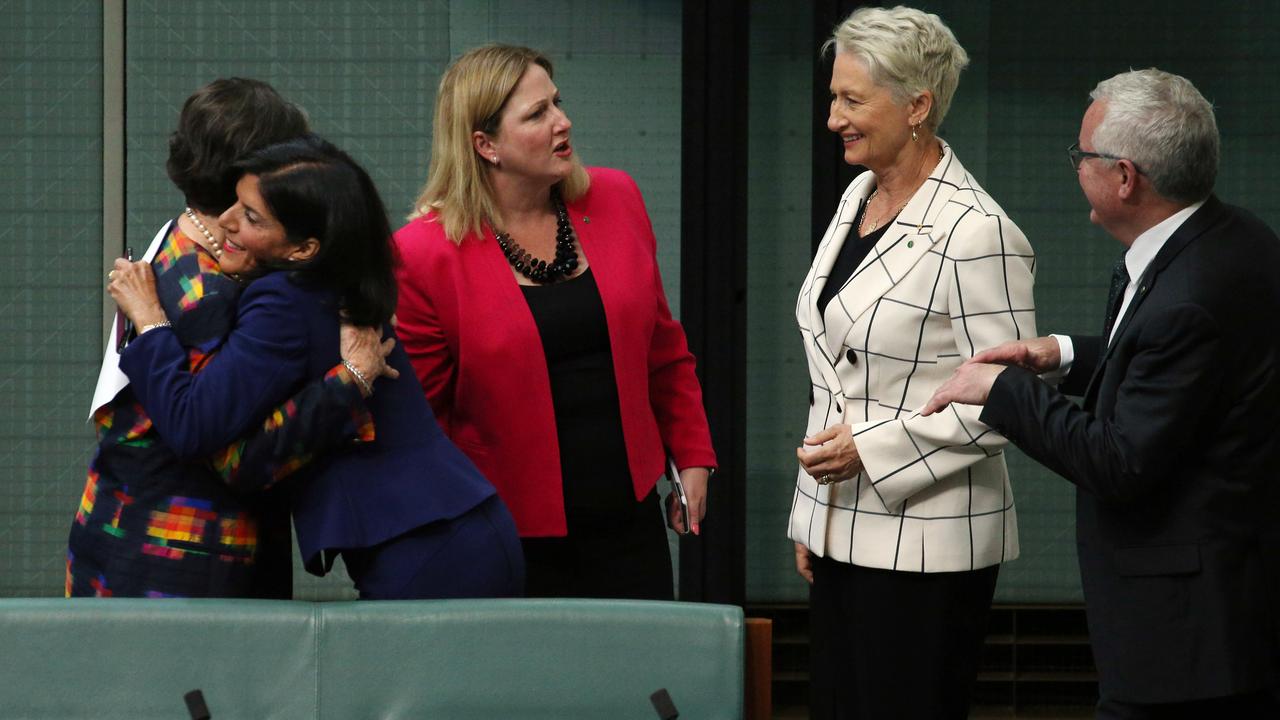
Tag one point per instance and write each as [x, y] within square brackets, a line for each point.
[1078, 156]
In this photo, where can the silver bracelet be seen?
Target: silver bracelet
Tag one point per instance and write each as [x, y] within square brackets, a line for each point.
[153, 326]
[359, 376]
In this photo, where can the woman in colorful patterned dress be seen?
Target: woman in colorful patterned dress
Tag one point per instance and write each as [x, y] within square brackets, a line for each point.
[151, 523]
[411, 516]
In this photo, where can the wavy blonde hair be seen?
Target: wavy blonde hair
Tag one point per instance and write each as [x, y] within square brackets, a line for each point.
[473, 95]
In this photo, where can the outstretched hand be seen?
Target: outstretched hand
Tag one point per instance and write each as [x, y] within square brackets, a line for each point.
[970, 384]
[1039, 355]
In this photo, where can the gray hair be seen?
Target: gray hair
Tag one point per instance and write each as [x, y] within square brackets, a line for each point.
[906, 51]
[1161, 123]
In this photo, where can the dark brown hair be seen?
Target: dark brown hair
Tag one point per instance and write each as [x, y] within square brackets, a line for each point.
[219, 123]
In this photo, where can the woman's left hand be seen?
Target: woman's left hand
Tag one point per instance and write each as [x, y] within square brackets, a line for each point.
[694, 480]
[365, 349]
[133, 286]
[830, 455]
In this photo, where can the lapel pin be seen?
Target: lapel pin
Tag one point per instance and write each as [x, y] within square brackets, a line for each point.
[586, 219]
[911, 243]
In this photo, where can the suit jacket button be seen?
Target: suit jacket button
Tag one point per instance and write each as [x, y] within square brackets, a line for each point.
[852, 357]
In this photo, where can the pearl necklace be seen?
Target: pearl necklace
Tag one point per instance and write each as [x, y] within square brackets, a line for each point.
[541, 271]
[214, 245]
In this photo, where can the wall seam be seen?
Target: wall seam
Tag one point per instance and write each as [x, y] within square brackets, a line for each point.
[113, 142]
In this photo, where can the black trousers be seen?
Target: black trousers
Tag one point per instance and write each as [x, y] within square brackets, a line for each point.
[1250, 706]
[888, 644]
[616, 553]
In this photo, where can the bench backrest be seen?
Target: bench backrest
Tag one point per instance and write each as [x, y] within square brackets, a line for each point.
[455, 660]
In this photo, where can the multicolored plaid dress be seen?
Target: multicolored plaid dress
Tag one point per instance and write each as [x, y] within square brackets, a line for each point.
[151, 524]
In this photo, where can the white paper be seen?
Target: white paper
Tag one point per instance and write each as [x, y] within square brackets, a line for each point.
[111, 379]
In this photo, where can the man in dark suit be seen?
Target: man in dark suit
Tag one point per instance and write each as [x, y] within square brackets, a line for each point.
[1174, 450]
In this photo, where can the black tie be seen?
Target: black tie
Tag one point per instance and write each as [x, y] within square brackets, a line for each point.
[1119, 281]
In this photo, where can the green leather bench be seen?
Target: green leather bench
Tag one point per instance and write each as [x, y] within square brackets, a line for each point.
[455, 659]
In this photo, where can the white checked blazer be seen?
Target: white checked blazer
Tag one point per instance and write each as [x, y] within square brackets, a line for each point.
[953, 275]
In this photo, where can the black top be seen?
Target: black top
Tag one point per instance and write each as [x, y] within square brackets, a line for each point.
[584, 393]
[851, 254]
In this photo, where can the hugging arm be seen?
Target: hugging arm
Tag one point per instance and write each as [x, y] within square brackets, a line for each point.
[263, 360]
[326, 414]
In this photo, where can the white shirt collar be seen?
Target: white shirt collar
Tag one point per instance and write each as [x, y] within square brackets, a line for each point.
[1147, 245]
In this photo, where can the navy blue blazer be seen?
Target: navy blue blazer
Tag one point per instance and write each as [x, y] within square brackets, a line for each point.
[286, 334]
[1176, 461]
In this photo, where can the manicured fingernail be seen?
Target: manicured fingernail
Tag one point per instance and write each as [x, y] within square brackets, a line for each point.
[696, 531]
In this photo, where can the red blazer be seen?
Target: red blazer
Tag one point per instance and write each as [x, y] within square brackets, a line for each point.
[475, 347]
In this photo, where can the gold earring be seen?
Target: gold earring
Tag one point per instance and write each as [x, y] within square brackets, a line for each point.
[915, 136]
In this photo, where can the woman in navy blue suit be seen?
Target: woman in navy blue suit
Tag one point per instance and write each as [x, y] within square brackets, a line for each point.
[409, 513]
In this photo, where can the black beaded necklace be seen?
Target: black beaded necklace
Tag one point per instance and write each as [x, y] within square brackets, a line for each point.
[539, 271]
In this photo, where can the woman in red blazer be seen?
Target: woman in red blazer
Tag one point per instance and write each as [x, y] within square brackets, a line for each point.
[533, 313]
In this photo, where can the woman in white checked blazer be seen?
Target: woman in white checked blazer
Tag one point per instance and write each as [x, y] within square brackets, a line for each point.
[901, 521]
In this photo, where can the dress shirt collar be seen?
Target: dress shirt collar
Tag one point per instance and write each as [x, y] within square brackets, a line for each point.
[1147, 245]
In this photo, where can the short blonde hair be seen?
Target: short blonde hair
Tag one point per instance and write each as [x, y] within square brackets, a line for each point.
[906, 51]
[472, 96]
